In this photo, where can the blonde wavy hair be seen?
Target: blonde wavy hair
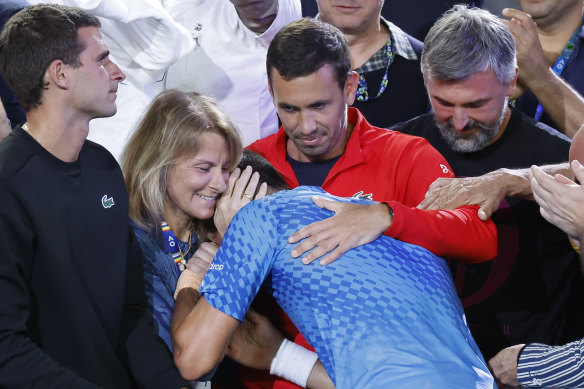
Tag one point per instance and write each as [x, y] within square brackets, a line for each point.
[172, 126]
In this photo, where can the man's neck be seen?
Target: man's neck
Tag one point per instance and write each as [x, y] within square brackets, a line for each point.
[61, 137]
[554, 34]
[365, 43]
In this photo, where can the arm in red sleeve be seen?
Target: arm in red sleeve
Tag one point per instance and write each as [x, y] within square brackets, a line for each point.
[457, 234]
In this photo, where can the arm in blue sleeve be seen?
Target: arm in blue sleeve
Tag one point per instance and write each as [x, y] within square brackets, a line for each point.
[540, 365]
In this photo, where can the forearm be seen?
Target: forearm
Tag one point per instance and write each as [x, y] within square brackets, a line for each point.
[200, 334]
[458, 234]
[560, 101]
[185, 302]
[552, 366]
[318, 378]
[516, 183]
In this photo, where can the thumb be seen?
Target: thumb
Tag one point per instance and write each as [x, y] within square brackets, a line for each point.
[486, 211]
[425, 204]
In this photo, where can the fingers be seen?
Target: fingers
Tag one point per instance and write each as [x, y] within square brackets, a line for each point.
[320, 249]
[198, 267]
[561, 179]
[301, 234]
[206, 252]
[577, 171]
[516, 14]
[240, 189]
[428, 202]
[202, 258]
[243, 186]
[542, 183]
[437, 191]
[262, 192]
[334, 255]
[233, 177]
[331, 205]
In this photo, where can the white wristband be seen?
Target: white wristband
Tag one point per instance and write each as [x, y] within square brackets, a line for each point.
[293, 363]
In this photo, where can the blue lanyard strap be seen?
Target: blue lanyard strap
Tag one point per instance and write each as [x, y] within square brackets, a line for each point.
[362, 93]
[561, 62]
[172, 244]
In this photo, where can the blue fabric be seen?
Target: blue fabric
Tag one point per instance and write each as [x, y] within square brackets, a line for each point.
[160, 275]
[385, 315]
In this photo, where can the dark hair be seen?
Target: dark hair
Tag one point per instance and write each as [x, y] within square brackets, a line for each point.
[304, 46]
[35, 37]
[267, 172]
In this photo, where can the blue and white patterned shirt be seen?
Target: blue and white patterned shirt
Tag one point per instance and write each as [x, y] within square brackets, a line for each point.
[384, 315]
[540, 365]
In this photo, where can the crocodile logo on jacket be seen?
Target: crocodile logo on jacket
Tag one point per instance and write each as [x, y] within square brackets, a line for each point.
[362, 196]
[107, 202]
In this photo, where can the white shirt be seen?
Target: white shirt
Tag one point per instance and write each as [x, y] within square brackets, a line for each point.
[229, 61]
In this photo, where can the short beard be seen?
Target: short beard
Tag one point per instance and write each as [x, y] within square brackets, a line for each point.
[473, 142]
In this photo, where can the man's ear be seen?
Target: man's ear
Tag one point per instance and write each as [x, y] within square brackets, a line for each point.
[58, 74]
[351, 85]
[512, 83]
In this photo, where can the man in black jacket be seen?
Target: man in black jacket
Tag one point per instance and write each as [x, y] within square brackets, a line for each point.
[73, 306]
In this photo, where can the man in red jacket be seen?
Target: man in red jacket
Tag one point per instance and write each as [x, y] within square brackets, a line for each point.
[324, 143]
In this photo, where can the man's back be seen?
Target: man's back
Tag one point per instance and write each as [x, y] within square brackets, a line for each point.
[384, 315]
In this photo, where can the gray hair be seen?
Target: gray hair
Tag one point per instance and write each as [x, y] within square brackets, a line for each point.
[465, 41]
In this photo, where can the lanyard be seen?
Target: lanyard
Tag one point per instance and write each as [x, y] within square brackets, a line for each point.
[172, 244]
[362, 93]
[560, 64]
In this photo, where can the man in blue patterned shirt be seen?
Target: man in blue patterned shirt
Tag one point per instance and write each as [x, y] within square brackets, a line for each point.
[385, 314]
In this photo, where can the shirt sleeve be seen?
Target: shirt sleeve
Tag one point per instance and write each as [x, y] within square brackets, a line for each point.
[22, 362]
[244, 260]
[144, 38]
[540, 365]
[459, 234]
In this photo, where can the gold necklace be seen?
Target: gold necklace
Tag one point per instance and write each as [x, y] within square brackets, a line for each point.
[183, 262]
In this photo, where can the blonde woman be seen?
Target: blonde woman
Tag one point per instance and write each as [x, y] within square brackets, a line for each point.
[176, 165]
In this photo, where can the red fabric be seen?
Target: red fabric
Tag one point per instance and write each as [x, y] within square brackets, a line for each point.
[397, 169]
